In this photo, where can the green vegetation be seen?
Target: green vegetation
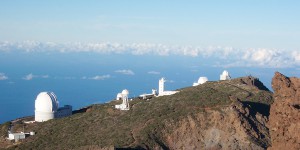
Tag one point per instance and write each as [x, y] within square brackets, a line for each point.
[3, 129]
[141, 126]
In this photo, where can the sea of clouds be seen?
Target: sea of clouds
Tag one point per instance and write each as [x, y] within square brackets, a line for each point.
[227, 56]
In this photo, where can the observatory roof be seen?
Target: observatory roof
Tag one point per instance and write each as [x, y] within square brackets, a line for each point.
[225, 72]
[125, 92]
[202, 80]
[46, 102]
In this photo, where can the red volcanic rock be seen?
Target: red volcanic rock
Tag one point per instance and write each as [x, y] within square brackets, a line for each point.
[284, 122]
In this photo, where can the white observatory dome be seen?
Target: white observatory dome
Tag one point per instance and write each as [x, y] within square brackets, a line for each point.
[46, 102]
[119, 96]
[202, 80]
[225, 75]
[125, 92]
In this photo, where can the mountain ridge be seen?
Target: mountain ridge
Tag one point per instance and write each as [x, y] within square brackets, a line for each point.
[203, 116]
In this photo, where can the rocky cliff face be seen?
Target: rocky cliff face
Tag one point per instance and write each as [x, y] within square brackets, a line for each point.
[233, 127]
[284, 121]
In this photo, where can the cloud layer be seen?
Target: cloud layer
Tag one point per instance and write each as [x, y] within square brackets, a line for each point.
[227, 56]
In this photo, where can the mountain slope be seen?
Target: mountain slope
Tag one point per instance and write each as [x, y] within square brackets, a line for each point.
[221, 114]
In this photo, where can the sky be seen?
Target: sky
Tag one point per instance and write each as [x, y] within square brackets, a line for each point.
[254, 32]
[270, 24]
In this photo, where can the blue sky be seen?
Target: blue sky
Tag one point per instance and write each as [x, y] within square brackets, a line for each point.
[233, 23]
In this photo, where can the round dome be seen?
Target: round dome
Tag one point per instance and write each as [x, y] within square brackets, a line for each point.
[202, 80]
[125, 92]
[119, 95]
[46, 102]
[225, 72]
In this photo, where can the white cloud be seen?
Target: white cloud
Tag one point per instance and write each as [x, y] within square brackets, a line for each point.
[225, 56]
[170, 81]
[32, 76]
[3, 76]
[69, 78]
[267, 58]
[102, 77]
[126, 72]
[29, 77]
[296, 56]
[153, 72]
[45, 76]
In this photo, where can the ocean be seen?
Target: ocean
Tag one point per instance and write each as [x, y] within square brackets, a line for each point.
[81, 79]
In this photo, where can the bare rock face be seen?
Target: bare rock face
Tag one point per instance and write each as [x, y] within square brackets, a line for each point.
[233, 127]
[284, 122]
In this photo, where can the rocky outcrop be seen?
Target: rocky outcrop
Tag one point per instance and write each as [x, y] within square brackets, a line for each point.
[233, 127]
[284, 117]
[253, 82]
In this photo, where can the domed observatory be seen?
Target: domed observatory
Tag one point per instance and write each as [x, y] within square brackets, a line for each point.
[119, 96]
[201, 80]
[125, 103]
[46, 106]
[225, 75]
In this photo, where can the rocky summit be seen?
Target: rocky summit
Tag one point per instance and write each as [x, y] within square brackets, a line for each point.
[285, 113]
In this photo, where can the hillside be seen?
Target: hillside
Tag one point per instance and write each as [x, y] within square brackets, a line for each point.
[223, 114]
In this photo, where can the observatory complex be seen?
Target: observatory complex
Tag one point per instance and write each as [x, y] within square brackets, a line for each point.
[124, 97]
[46, 107]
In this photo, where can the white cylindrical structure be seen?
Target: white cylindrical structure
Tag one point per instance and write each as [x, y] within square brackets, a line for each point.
[161, 86]
[46, 105]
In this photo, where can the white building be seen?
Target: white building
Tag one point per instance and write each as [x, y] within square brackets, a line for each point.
[225, 75]
[46, 107]
[148, 96]
[201, 80]
[119, 96]
[125, 103]
[16, 136]
[161, 88]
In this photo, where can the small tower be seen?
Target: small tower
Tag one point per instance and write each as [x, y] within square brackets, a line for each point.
[161, 86]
